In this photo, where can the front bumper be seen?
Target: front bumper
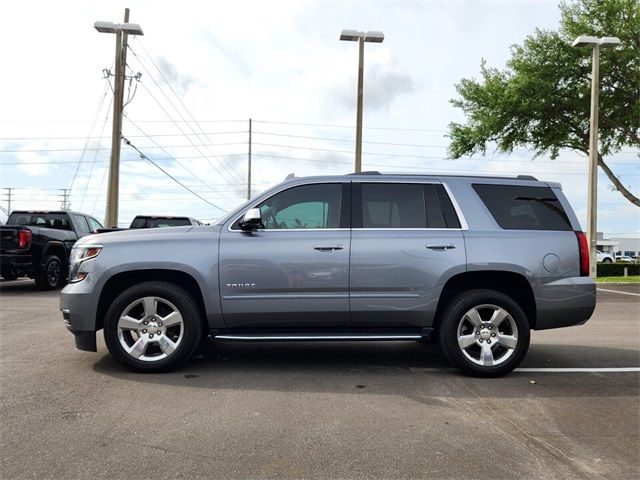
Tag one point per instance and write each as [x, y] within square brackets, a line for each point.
[566, 302]
[78, 304]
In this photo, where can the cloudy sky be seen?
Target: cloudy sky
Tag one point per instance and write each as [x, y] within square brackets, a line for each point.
[207, 67]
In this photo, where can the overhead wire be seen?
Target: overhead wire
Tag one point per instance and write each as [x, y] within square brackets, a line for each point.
[128, 142]
[197, 177]
[166, 81]
[229, 171]
[86, 145]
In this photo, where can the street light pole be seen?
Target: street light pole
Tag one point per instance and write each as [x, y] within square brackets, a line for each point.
[360, 37]
[592, 195]
[121, 31]
[359, 105]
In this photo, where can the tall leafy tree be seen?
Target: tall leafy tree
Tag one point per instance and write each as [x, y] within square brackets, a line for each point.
[541, 100]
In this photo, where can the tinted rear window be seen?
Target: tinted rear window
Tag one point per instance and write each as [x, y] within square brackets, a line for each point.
[524, 208]
[393, 205]
[142, 222]
[59, 221]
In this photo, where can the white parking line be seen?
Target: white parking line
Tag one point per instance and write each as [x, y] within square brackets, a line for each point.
[616, 291]
[579, 370]
[544, 370]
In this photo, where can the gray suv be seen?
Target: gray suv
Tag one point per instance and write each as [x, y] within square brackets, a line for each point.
[476, 262]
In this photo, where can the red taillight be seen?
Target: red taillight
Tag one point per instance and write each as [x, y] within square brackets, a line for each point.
[24, 239]
[583, 247]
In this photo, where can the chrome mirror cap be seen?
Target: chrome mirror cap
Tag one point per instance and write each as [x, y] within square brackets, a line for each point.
[252, 220]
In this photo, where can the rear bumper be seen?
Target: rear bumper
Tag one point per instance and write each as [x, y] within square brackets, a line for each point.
[566, 302]
[16, 263]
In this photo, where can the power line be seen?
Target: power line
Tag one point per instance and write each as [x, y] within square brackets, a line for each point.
[350, 126]
[231, 172]
[170, 176]
[222, 159]
[177, 161]
[132, 136]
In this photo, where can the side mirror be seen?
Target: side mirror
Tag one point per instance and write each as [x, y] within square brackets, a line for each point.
[252, 220]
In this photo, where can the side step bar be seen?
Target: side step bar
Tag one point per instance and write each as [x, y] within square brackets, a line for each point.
[320, 337]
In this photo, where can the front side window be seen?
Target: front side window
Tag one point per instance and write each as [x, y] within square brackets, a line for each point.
[303, 207]
[94, 224]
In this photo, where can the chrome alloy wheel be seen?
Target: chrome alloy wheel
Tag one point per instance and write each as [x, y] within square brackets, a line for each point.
[150, 329]
[487, 335]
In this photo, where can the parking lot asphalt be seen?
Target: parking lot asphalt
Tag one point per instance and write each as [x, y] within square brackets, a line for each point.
[324, 410]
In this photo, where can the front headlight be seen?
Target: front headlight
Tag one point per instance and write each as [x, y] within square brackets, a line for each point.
[79, 255]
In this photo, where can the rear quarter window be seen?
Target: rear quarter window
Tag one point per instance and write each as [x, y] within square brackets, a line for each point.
[524, 208]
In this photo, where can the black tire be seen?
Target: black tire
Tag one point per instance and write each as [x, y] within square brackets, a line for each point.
[607, 260]
[451, 321]
[167, 294]
[53, 275]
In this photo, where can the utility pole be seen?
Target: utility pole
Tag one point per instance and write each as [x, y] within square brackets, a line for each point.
[249, 166]
[122, 31]
[8, 194]
[64, 203]
[113, 190]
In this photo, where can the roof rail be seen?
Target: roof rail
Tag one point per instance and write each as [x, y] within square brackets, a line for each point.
[526, 177]
[370, 172]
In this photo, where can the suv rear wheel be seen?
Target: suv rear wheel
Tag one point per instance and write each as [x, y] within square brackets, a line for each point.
[485, 333]
[153, 327]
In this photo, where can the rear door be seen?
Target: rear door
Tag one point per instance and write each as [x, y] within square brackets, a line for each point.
[295, 271]
[406, 241]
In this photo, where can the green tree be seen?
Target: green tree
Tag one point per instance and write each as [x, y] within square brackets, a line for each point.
[541, 100]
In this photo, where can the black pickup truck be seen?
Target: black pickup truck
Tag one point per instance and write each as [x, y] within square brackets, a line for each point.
[38, 244]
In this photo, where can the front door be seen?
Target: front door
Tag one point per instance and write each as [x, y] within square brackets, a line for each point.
[295, 271]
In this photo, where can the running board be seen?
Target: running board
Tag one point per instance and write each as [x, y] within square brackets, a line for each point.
[312, 338]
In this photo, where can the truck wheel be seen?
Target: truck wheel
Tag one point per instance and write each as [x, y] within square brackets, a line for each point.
[484, 333]
[153, 327]
[53, 274]
[607, 260]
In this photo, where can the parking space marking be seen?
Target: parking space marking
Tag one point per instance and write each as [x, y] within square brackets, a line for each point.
[616, 291]
[545, 369]
[579, 370]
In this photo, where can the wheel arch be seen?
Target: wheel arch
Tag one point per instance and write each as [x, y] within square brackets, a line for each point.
[119, 282]
[55, 248]
[511, 284]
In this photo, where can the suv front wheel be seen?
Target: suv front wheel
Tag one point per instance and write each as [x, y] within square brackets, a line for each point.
[485, 333]
[153, 327]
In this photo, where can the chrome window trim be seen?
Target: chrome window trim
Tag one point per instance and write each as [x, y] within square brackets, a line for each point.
[454, 202]
[463, 221]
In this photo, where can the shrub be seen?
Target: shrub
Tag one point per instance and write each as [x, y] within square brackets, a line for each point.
[617, 269]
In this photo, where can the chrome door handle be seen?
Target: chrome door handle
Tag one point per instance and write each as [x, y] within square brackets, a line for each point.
[328, 248]
[441, 247]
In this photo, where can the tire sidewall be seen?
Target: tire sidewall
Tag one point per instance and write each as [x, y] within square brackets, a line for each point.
[42, 281]
[448, 331]
[192, 325]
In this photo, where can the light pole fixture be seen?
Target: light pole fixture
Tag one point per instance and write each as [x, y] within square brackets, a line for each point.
[595, 44]
[121, 30]
[360, 37]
